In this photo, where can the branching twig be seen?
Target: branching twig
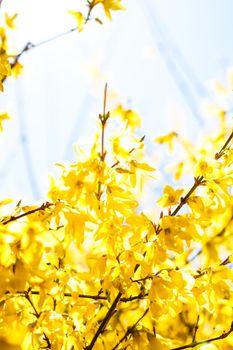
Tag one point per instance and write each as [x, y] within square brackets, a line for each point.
[26, 48]
[30, 45]
[220, 153]
[195, 329]
[89, 296]
[196, 343]
[103, 119]
[37, 315]
[197, 182]
[104, 321]
[130, 330]
[16, 217]
[200, 179]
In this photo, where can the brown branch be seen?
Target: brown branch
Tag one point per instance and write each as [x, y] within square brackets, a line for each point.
[130, 330]
[200, 179]
[26, 295]
[105, 321]
[219, 234]
[89, 296]
[196, 343]
[220, 153]
[195, 329]
[37, 315]
[103, 119]
[32, 211]
[193, 257]
[26, 48]
[30, 45]
[135, 297]
[197, 182]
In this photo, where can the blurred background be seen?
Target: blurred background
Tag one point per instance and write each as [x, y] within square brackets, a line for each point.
[159, 57]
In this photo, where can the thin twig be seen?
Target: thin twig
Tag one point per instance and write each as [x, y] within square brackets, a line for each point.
[104, 321]
[26, 48]
[130, 330]
[220, 153]
[197, 182]
[195, 329]
[26, 295]
[30, 45]
[103, 118]
[32, 211]
[200, 179]
[89, 296]
[196, 343]
[37, 315]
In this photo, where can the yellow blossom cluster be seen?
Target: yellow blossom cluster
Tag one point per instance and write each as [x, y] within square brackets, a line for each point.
[107, 5]
[5, 67]
[88, 269]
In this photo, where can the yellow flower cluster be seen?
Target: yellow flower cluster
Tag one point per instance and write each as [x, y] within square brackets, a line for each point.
[5, 66]
[88, 270]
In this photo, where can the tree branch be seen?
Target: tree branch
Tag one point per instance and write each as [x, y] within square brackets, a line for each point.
[104, 321]
[37, 315]
[200, 179]
[195, 329]
[32, 211]
[140, 296]
[30, 45]
[197, 182]
[196, 343]
[220, 153]
[130, 330]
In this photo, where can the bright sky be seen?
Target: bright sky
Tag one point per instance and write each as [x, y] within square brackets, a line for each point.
[159, 56]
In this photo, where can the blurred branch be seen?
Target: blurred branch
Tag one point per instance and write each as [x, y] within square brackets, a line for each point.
[196, 343]
[195, 329]
[168, 59]
[130, 330]
[37, 315]
[140, 296]
[105, 321]
[200, 179]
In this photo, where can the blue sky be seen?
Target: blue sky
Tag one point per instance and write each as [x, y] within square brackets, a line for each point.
[159, 56]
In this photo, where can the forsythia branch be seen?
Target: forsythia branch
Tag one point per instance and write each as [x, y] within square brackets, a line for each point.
[88, 296]
[195, 329]
[105, 321]
[16, 217]
[130, 330]
[196, 343]
[37, 315]
[200, 179]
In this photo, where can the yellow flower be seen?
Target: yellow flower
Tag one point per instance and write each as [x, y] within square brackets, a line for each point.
[5, 68]
[169, 139]
[3, 116]
[79, 18]
[9, 20]
[111, 5]
[203, 168]
[170, 197]
[17, 69]
[128, 116]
